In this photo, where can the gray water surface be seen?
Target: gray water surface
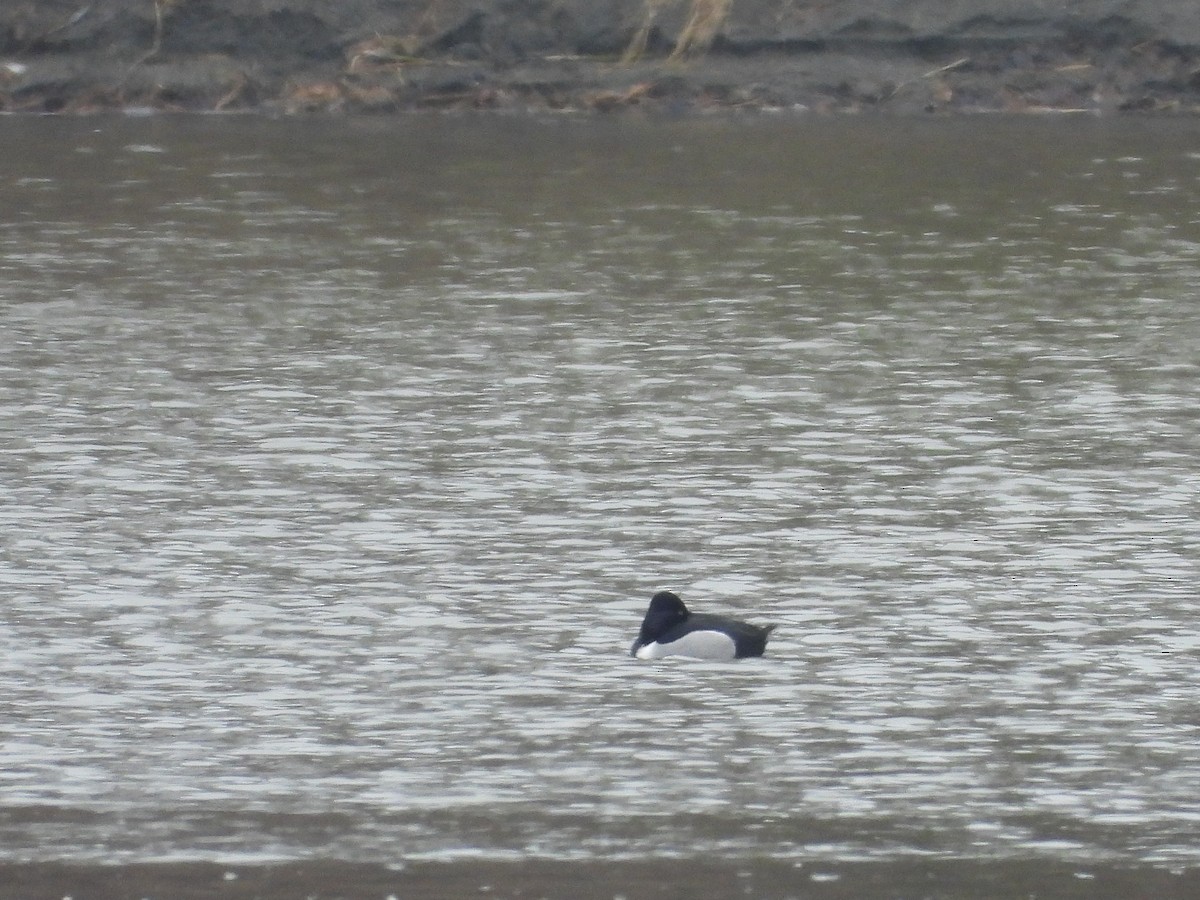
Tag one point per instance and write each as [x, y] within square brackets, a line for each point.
[339, 460]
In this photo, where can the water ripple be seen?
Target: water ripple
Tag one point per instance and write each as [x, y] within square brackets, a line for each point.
[330, 513]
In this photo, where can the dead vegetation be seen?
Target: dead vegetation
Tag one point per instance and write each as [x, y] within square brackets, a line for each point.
[315, 56]
[704, 21]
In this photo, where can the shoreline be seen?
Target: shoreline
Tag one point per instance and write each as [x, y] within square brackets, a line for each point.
[598, 56]
[583, 880]
[764, 83]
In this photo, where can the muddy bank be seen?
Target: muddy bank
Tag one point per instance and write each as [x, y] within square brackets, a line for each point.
[905, 56]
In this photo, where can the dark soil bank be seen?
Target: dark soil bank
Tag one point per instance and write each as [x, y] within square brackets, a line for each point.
[386, 55]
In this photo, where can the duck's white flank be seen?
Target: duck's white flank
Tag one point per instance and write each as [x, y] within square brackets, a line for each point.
[700, 644]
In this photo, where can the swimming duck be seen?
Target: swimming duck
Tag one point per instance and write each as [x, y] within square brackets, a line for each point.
[669, 629]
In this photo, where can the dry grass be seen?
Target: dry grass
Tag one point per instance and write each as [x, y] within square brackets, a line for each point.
[704, 22]
[703, 25]
[161, 8]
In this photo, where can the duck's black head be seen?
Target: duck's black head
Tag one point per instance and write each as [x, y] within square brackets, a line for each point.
[665, 612]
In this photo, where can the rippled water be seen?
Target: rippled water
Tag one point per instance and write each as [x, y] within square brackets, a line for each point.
[340, 459]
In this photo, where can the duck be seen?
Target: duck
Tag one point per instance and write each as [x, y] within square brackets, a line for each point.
[669, 629]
